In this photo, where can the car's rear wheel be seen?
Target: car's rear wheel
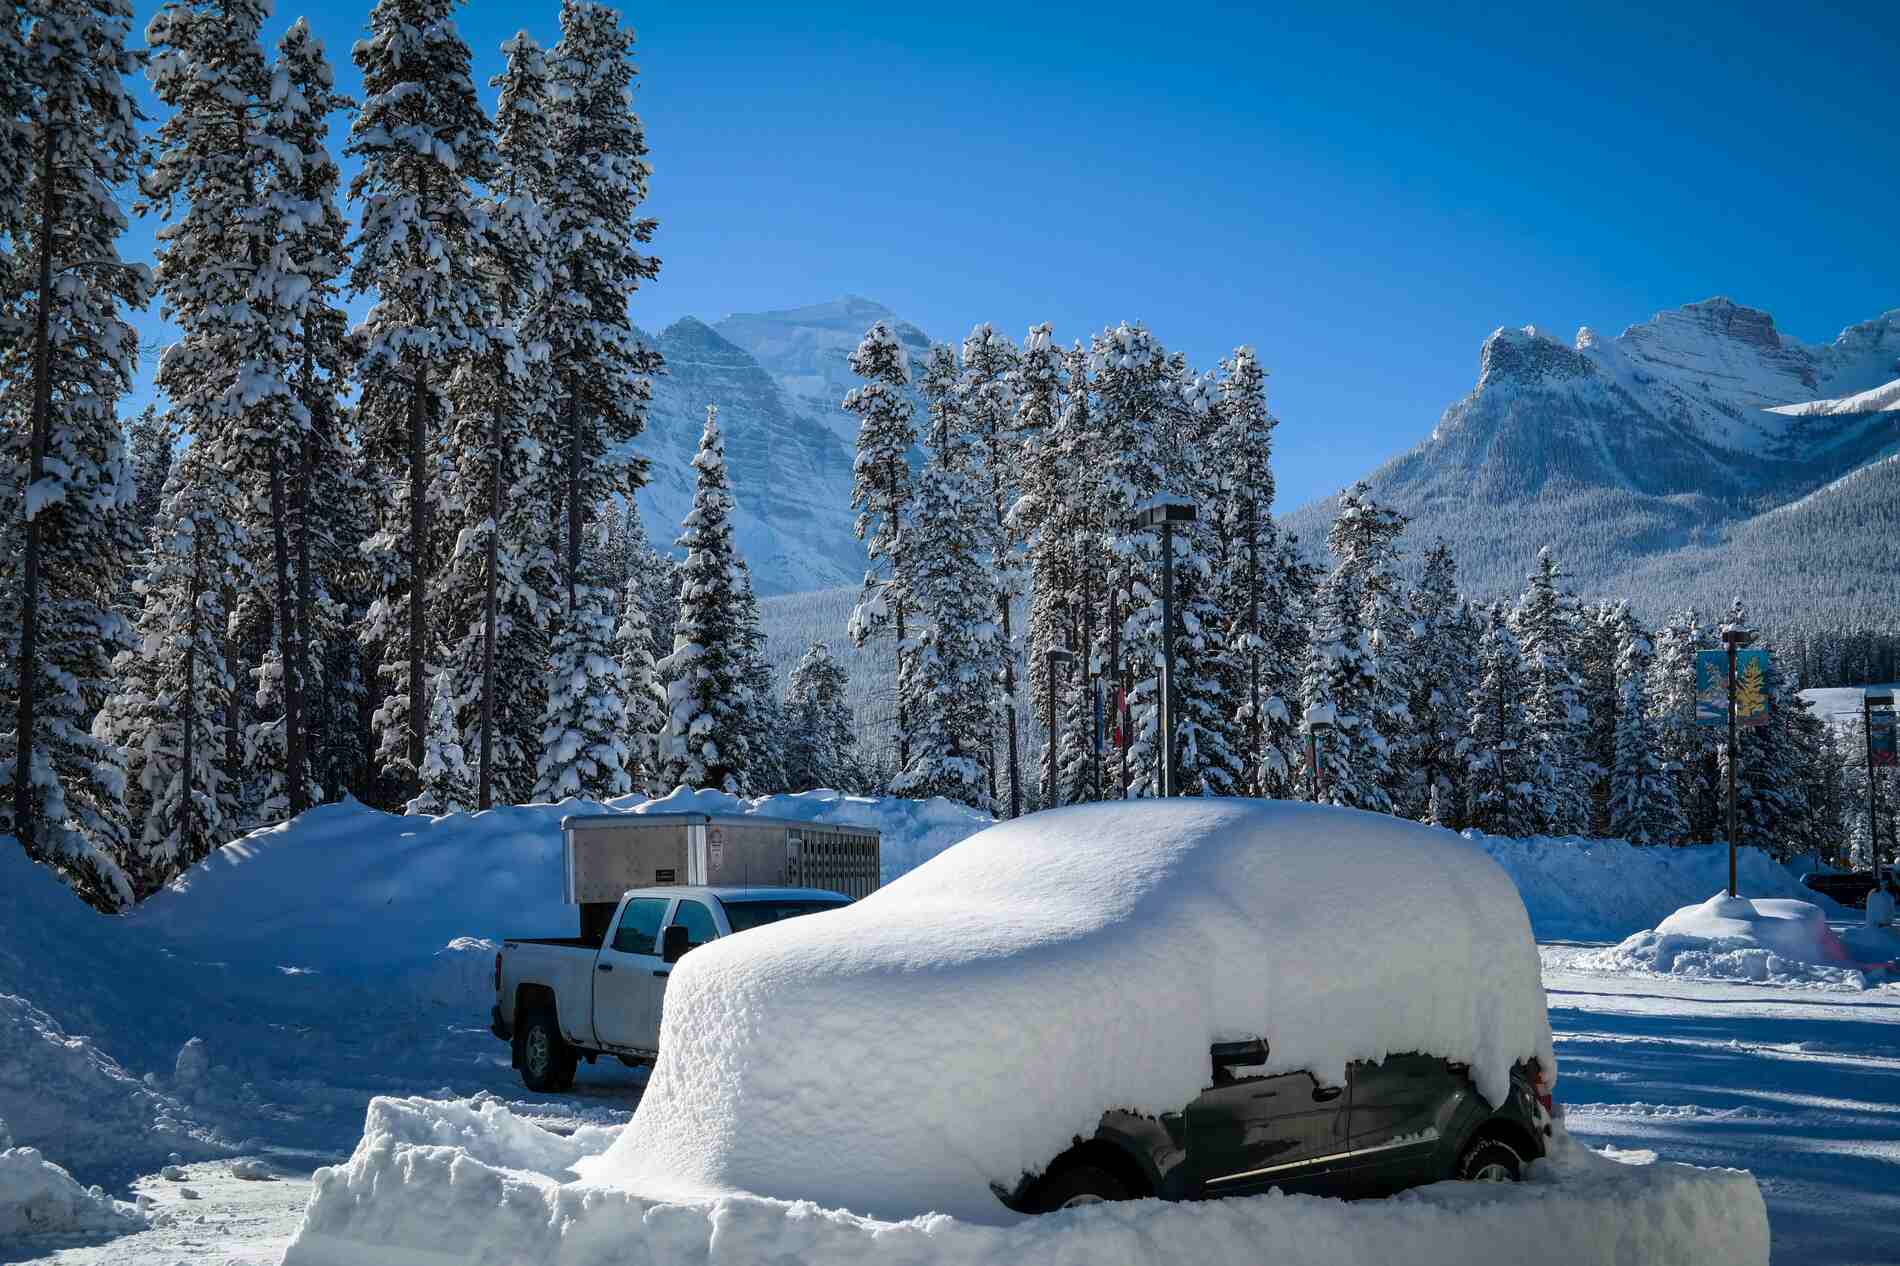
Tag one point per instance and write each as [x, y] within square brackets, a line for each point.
[1491, 1160]
[547, 1061]
[1074, 1186]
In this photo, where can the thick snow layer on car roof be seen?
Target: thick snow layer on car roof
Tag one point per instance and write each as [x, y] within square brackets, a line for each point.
[964, 1024]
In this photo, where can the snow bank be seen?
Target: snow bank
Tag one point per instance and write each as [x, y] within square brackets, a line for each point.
[960, 1026]
[1739, 938]
[406, 1197]
[1582, 889]
[37, 1197]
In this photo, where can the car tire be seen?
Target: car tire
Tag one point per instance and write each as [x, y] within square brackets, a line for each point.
[1491, 1160]
[547, 1061]
[1075, 1185]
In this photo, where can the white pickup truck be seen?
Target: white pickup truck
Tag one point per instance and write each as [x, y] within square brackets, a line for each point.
[563, 999]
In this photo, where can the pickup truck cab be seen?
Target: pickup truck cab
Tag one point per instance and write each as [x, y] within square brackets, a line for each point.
[559, 1000]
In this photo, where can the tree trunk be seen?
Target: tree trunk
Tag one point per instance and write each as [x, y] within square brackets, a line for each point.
[24, 824]
[485, 793]
[574, 513]
[1009, 705]
[289, 645]
[418, 568]
[189, 717]
[1255, 726]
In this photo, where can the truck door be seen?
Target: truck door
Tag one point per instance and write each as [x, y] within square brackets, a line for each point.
[626, 989]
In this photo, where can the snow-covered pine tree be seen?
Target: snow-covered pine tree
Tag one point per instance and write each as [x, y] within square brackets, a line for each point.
[447, 784]
[646, 715]
[947, 552]
[1287, 636]
[1683, 745]
[68, 360]
[1365, 537]
[1500, 795]
[424, 144]
[704, 744]
[1642, 798]
[824, 751]
[1554, 713]
[597, 186]
[882, 491]
[1443, 672]
[1246, 556]
[763, 710]
[167, 712]
[988, 405]
[326, 500]
[150, 443]
[583, 733]
[1601, 639]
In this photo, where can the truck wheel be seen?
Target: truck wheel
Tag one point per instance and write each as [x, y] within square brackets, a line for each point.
[547, 1061]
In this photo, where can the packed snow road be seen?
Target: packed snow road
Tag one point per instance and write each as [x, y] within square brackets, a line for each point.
[1799, 1085]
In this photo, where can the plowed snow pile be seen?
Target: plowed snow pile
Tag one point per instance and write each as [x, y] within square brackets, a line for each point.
[433, 1184]
[962, 1025]
[1759, 939]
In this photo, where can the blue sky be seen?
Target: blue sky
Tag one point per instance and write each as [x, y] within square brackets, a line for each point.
[1361, 193]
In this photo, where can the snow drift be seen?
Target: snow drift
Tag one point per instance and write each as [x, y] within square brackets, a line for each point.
[37, 1197]
[1760, 939]
[498, 1196]
[961, 1026]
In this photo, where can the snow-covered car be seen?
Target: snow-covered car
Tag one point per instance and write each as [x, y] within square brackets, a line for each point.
[559, 1000]
[1183, 998]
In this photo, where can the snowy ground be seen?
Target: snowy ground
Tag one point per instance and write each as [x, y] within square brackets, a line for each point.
[335, 977]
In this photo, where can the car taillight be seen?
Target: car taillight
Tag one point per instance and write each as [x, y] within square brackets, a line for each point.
[1544, 1101]
[497, 971]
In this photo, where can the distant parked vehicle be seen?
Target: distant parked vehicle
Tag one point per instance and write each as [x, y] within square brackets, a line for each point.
[1849, 888]
[559, 1000]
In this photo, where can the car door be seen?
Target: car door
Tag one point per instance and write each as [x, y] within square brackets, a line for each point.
[1395, 1112]
[1247, 1133]
[627, 979]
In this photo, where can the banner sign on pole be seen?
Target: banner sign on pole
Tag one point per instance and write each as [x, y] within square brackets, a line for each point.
[1751, 687]
[1881, 748]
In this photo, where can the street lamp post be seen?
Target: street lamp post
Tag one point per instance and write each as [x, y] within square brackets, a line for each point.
[1319, 720]
[1868, 702]
[1734, 639]
[1165, 513]
[1053, 658]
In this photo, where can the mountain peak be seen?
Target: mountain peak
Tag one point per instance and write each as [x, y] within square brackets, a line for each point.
[1527, 356]
[1720, 317]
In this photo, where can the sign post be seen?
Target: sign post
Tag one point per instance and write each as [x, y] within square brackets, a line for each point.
[1877, 711]
[1732, 690]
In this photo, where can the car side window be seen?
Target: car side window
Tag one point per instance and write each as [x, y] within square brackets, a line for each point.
[698, 922]
[640, 925]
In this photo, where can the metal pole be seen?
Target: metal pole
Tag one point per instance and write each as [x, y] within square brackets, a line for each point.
[1731, 769]
[1312, 766]
[1873, 788]
[1167, 658]
[1055, 791]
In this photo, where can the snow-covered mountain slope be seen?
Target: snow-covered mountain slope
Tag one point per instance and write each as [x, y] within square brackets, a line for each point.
[1644, 458]
[791, 474]
[779, 379]
[807, 350]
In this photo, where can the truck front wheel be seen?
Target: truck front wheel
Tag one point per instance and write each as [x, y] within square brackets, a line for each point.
[547, 1061]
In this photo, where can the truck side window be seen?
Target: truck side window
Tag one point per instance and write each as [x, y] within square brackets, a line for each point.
[698, 922]
[640, 925]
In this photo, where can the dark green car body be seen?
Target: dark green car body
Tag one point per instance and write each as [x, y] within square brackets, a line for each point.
[1409, 1120]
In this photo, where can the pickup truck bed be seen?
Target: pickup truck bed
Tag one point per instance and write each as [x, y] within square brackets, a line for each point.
[562, 999]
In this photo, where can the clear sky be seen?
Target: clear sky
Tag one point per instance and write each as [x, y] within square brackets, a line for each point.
[1361, 193]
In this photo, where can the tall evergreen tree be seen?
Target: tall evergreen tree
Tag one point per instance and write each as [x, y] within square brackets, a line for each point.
[988, 406]
[424, 145]
[705, 743]
[1642, 798]
[822, 753]
[1246, 561]
[1670, 698]
[583, 733]
[1501, 796]
[1443, 672]
[1553, 710]
[646, 717]
[882, 491]
[68, 358]
[597, 186]
[947, 543]
[150, 443]
[1343, 664]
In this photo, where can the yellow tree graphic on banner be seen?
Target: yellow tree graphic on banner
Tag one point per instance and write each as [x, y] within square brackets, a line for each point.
[1751, 688]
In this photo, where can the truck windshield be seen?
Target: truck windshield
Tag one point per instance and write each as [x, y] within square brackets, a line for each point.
[746, 913]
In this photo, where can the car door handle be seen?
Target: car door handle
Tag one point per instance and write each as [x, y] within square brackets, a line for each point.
[603, 967]
[1326, 1094]
[663, 973]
